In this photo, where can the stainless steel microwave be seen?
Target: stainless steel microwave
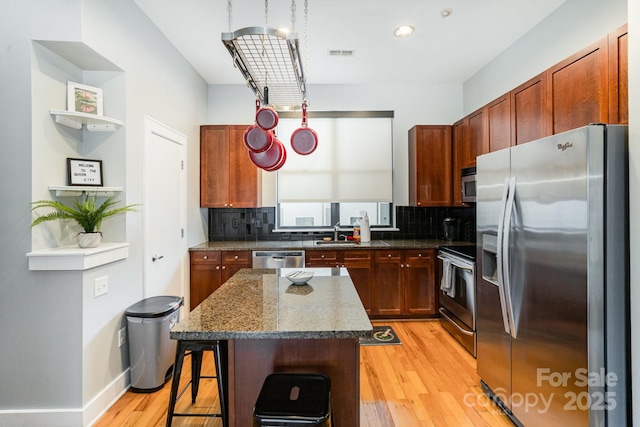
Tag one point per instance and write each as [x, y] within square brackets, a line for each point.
[469, 185]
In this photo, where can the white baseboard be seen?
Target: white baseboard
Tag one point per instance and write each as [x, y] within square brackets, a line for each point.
[105, 399]
[80, 417]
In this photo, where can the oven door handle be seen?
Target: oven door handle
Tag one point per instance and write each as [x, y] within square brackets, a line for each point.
[456, 264]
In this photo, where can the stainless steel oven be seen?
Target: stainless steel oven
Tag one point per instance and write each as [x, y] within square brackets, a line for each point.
[458, 294]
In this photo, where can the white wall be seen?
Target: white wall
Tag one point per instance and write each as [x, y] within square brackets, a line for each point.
[634, 196]
[60, 361]
[413, 105]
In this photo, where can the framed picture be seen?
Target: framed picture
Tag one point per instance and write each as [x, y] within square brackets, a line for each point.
[84, 172]
[84, 99]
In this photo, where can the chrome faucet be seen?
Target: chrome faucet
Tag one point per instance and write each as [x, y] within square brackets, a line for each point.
[336, 230]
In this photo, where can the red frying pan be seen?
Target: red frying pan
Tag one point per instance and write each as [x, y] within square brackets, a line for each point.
[257, 139]
[304, 140]
[271, 158]
[266, 117]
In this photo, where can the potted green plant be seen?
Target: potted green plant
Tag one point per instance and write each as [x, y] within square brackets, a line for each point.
[85, 212]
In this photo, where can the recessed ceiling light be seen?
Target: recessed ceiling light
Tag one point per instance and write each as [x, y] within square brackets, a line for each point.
[446, 13]
[403, 31]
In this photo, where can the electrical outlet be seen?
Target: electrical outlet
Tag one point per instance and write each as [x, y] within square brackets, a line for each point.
[100, 286]
[122, 337]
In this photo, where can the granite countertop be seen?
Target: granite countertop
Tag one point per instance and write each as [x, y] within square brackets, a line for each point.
[263, 304]
[311, 244]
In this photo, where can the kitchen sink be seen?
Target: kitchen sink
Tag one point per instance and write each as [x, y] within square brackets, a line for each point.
[337, 242]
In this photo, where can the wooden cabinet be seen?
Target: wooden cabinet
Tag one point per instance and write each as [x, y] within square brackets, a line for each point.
[358, 262]
[228, 177]
[499, 123]
[529, 115]
[430, 165]
[420, 282]
[210, 269]
[460, 154]
[578, 89]
[618, 76]
[404, 283]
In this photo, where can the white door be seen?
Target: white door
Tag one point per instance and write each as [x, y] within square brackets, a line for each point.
[164, 210]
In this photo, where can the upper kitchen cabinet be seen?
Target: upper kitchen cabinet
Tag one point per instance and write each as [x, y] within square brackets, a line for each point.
[228, 178]
[578, 89]
[618, 76]
[430, 163]
[499, 123]
[529, 116]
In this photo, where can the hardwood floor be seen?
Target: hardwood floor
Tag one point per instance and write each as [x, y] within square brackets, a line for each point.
[429, 380]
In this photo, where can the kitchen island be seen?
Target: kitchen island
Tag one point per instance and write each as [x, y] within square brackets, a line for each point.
[271, 325]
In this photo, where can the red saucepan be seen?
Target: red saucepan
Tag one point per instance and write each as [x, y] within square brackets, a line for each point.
[266, 117]
[304, 140]
[271, 158]
[257, 139]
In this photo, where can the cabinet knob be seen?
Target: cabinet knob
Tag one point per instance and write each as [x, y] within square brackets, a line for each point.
[389, 255]
[230, 204]
[217, 267]
[419, 255]
[205, 257]
[419, 203]
[407, 265]
[235, 257]
[224, 266]
[322, 256]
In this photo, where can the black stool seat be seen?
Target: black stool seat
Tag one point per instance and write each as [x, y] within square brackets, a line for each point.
[196, 349]
[289, 399]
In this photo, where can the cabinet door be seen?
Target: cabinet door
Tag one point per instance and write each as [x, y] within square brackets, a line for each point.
[430, 163]
[478, 139]
[359, 263]
[461, 158]
[619, 76]
[388, 293]
[530, 119]
[578, 89]
[419, 282]
[244, 177]
[323, 258]
[232, 261]
[214, 166]
[499, 122]
[204, 276]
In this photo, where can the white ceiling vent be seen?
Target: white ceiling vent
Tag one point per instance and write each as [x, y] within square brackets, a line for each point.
[338, 52]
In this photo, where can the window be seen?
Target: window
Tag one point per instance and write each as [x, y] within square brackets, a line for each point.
[350, 171]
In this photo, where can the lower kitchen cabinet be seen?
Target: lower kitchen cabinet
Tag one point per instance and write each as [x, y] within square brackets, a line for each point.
[210, 269]
[404, 283]
[358, 262]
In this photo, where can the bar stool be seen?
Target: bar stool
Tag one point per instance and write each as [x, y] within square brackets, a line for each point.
[196, 349]
[291, 399]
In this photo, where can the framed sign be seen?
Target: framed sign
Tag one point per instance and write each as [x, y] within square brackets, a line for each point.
[84, 172]
[84, 99]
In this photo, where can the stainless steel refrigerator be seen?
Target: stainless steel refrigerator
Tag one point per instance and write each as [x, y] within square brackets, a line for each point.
[553, 282]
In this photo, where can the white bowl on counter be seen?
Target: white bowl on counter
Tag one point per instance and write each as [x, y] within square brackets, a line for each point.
[299, 277]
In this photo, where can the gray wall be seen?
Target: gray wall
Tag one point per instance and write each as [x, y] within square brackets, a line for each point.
[60, 361]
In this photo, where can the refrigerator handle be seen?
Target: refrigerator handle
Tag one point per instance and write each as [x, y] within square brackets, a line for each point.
[506, 252]
[499, 256]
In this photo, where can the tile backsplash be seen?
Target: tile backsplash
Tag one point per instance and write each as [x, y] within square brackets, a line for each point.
[413, 223]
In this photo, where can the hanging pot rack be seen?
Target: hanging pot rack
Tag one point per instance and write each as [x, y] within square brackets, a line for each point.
[267, 57]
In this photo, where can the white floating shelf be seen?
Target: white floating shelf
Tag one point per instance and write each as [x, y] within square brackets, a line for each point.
[74, 257]
[92, 122]
[71, 191]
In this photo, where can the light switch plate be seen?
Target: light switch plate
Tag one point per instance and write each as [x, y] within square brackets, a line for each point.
[100, 286]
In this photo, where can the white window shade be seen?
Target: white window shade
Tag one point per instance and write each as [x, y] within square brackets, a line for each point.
[352, 163]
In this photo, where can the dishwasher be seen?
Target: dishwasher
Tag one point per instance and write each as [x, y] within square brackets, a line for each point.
[277, 259]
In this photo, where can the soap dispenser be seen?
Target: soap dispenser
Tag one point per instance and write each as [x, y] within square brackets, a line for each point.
[365, 231]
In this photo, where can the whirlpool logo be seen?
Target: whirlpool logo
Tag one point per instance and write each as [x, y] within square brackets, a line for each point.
[565, 146]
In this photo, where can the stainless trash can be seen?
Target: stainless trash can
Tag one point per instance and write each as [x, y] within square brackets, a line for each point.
[292, 400]
[151, 351]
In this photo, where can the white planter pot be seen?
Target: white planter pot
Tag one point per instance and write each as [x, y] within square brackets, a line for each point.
[89, 240]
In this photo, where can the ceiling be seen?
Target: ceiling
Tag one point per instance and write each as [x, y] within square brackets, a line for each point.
[441, 50]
